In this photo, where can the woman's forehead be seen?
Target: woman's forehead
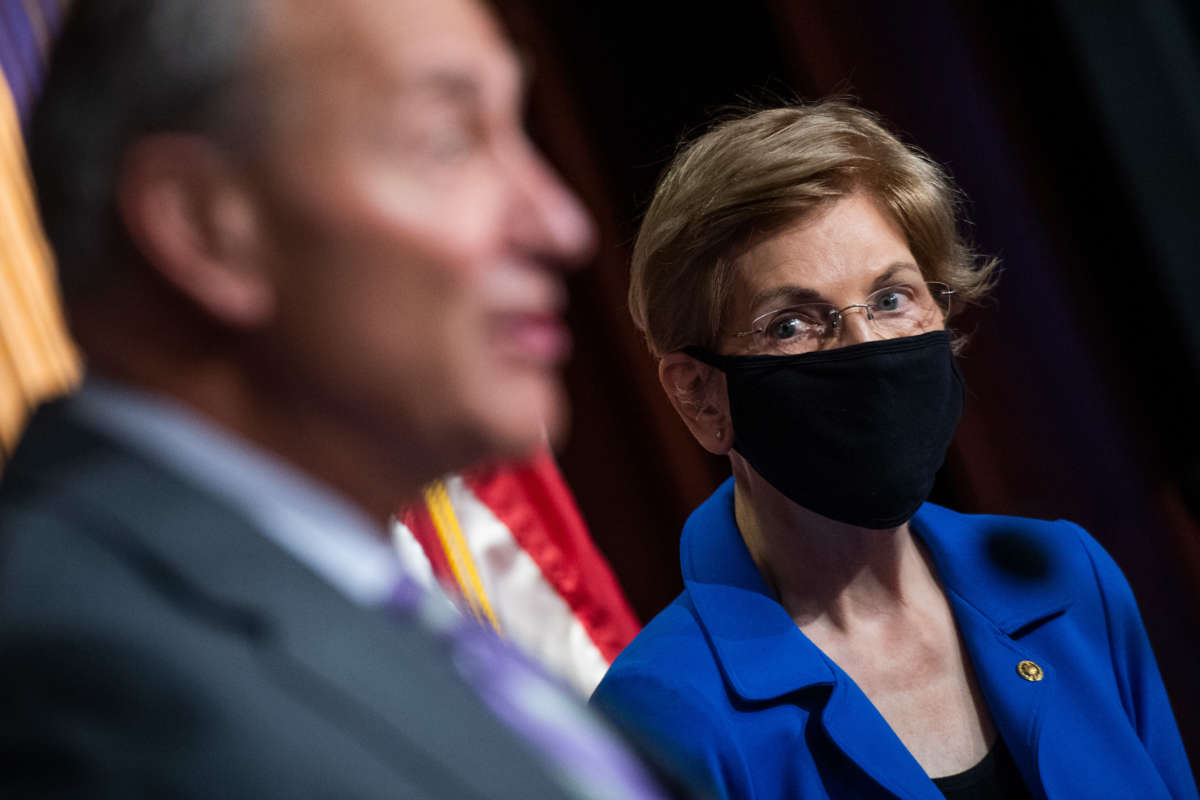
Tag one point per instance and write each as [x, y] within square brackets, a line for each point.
[851, 245]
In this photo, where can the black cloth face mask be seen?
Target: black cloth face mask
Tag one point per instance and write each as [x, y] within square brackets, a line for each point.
[855, 434]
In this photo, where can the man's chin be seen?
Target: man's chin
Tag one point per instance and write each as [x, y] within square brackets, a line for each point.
[523, 421]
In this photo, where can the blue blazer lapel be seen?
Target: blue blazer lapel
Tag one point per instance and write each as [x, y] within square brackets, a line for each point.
[765, 658]
[857, 728]
[1017, 704]
[1001, 585]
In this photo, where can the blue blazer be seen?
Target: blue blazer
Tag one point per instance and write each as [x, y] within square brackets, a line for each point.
[748, 702]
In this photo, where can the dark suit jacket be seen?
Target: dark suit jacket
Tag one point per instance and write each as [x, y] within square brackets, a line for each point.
[153, 644]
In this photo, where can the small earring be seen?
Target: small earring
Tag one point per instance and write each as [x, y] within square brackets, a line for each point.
[720, 434]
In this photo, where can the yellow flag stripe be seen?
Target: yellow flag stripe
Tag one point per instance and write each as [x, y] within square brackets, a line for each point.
[445, 521]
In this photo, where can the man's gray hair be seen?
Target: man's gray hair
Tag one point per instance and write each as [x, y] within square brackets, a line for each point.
[120, 70]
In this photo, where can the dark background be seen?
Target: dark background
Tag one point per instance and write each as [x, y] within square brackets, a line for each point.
[1074, 128]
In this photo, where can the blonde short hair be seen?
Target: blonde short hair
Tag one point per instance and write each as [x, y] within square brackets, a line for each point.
[747, 176]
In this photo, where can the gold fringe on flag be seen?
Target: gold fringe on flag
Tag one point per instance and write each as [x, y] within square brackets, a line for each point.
[37, 357]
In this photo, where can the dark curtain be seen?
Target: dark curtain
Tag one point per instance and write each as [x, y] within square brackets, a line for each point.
[1074, 129]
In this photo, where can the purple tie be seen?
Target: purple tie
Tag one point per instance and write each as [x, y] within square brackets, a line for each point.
[577, 746]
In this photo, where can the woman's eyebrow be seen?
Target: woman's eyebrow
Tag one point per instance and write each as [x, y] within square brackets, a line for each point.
[789, 292]
[792, 293]
[888, 276]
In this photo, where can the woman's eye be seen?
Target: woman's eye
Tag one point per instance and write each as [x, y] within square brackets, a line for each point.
[891, 300]
[785, 328]
[790, 327]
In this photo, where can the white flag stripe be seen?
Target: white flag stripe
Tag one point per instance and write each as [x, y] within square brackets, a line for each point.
[530, 611]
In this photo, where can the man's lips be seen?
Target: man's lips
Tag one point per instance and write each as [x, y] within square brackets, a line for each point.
[536, 337]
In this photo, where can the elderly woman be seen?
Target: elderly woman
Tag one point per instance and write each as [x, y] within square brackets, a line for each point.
[838, 636]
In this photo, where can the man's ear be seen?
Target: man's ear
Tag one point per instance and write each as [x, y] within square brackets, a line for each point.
[697, 391]
[194, 222]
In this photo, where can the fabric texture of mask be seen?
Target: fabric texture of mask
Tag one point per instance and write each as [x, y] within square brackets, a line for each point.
[857, 433]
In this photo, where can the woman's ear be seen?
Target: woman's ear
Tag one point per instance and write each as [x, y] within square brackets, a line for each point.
[195, 224]
[697, 391]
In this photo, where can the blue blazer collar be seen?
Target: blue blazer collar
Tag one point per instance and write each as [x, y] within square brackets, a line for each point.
[761, 652]
[995, 565]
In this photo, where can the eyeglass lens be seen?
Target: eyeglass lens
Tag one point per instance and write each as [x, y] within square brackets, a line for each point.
[891, 312]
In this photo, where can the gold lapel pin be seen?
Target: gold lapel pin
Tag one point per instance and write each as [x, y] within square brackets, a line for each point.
[1030, 671]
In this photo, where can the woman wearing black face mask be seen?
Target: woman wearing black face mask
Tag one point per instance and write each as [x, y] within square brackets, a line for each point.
[839, 637]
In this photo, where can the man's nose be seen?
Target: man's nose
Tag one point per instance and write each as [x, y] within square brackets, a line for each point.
[548, 218]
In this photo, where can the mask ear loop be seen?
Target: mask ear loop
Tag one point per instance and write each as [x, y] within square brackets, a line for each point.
[706, 356]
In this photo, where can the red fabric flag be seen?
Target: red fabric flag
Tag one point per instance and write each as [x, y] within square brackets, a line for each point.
[510, 542]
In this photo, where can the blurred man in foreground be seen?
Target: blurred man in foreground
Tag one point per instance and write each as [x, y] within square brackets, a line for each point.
[314, 263]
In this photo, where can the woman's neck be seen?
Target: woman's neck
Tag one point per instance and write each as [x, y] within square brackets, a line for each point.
[823, 572]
